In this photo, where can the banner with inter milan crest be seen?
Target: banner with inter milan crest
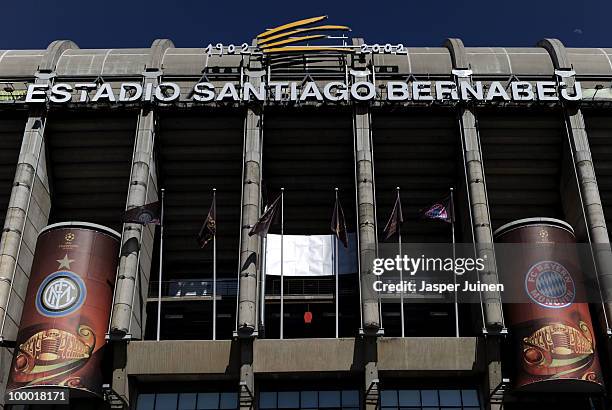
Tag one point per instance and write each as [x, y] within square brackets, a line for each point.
[66, 311]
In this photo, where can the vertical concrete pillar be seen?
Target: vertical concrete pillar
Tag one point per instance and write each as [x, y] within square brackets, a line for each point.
[370, 361]
[591, 207]
[27, 213]
[477, 190]
[366, 231]
[585, 174]
[247, 378]
[249, 245]
[127, 320]
[481, 225]
[366, 217]
[128, 315]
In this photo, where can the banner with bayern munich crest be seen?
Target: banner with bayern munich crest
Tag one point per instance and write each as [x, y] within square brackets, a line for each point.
[550, 324]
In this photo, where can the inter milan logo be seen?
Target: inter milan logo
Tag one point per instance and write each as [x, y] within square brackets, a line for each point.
[549, 284]
[61, 293]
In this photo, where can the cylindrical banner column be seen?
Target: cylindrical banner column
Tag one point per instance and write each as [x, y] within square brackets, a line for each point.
[67, 307]
[548, 317]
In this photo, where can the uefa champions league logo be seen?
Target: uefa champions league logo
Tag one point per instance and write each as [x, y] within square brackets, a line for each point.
[550, 285]
[60, 294]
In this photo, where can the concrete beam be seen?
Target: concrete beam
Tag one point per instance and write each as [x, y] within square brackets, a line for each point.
[170, 358]
[438, 355]
[307, 355]
[53, 54]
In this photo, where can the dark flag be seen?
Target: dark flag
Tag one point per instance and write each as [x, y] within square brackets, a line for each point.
[395, 220]
[338, 224]
[209, 228]
[262, 226]
[146, 214]
[440, 210]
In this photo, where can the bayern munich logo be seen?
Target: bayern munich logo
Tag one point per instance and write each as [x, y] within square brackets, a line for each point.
[550, 285]
[60, 294]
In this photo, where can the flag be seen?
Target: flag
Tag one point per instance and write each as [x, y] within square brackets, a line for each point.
[209, 228]
[338, 224]
[440, 210]
[395, 220]
[145, 214]
[262, 226]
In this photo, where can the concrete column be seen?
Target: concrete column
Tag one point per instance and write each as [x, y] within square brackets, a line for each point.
[366, 216]
[367, 219]
[493, 376]
[247, 378]
[128, 316]
[127, 320]
[27, 213]
[477, 190]
[481, 220]
[119, 381]
[249, 245]
[367, 250]
[370, 361]
[366, 229]
[122, 322]
[481, 225]
[585, 173]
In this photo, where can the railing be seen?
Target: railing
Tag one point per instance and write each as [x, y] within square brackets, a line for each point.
[311, 286]
[193, 288]
[227, 287]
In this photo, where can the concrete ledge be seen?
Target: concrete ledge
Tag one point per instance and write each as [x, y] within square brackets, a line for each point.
[306, 355]
[182, 357]
[433, 354]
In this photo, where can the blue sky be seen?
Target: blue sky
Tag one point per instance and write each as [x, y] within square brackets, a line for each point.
[28, 24]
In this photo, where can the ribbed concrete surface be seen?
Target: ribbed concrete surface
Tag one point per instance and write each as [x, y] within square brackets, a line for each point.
[182, 357]
[430, 354]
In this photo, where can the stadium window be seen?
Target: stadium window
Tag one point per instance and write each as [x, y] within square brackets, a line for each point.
[310, 399]
[187, 401]
[444, 399]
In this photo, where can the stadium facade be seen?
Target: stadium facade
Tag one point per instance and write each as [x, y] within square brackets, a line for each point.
[86, 134]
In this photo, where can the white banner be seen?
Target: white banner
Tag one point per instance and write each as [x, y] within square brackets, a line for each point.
[309, 255]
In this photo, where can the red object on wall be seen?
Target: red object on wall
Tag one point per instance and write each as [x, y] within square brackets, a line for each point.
[307, 317]
[67, 308]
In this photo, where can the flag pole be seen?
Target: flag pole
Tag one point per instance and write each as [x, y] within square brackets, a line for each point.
[401, 272]
[161, 259]
[336, 268]
[282, 286]
[214, 304]
[262, 267]
[452, 210]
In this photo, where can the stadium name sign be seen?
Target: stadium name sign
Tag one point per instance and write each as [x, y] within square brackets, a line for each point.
[334, 91]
